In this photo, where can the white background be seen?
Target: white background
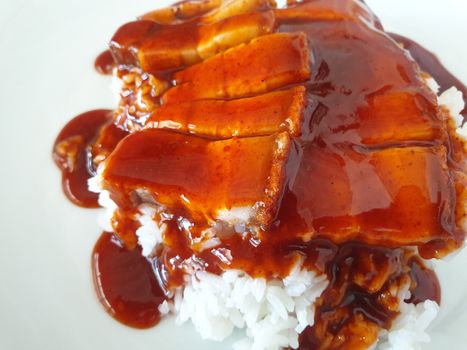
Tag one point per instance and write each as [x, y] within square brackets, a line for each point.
[47, 49]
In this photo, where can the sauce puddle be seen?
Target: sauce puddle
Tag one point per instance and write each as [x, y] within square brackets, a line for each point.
[71, 153]
[126, 283]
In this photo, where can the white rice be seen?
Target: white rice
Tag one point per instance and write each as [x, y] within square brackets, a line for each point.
[408, 330]
[453, 100]
[272, 314]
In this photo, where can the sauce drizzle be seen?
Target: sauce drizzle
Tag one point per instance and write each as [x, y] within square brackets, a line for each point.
[104, 63]
[430, 63]
[71, 153]
[125, 283]
[339, 130]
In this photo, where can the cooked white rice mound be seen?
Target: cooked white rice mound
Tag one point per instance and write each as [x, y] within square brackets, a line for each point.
[271, 313]
[408, 331]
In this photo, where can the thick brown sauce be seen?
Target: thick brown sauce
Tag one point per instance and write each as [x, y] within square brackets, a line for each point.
[105, 63]
[358, 303]
[125, 283]
[425, 283]
[361, 74]
[430, 63]
[108, 138]
[353, 324]
[71, 153]
[370, 115]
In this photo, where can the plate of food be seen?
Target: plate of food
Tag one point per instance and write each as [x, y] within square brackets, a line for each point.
[234, 174]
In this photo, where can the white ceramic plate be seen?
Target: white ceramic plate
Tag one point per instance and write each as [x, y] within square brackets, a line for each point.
[47, 50]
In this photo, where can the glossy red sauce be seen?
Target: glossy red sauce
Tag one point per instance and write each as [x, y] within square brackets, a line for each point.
[358, 75]
[356, 122]
[125, 283]
[105, 63]
[430, 63]
[108, 138]
[71, 153]
[370, 115]
[425, 283]
[351, 310]
[271, 259]
[180, 11]
[124, 224]
[358, 301]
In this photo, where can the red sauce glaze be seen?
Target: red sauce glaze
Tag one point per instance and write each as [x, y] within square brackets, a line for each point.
[425, 284]
[431, 64]
[351, 310]
[358, 301]
[367, 102]
[104, 63]
[125, 283]
[71, 154]
[271, 259]
[109, 137]
[124, 225]
[182, 11]
[359, 75]
[370, 116]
